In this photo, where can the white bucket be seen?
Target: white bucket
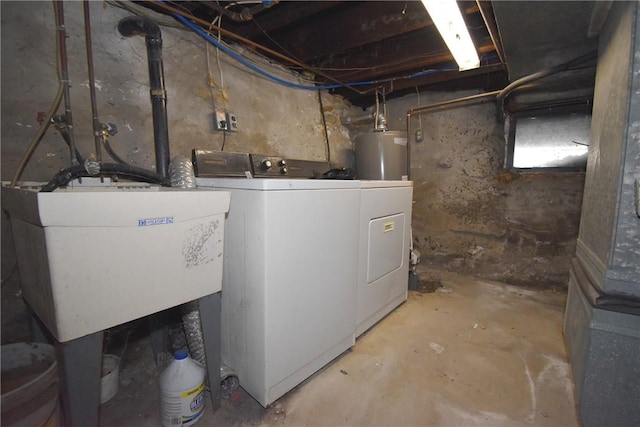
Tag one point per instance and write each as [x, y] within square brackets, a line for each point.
[110, 377]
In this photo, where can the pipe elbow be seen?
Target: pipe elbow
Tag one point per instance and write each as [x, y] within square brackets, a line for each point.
[139, 26]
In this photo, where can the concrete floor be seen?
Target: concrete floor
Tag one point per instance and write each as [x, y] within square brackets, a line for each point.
[471, 353]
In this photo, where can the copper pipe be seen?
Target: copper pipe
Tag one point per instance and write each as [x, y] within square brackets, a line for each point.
[64, 76]
[210, 27]
[410, 111]
[97, 127]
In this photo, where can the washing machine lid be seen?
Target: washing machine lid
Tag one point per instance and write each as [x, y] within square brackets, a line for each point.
[385, 183]
[269, 184]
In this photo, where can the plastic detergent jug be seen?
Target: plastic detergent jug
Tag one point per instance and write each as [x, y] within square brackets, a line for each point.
[182, 391]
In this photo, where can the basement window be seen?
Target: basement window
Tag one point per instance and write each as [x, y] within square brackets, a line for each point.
[549, 141]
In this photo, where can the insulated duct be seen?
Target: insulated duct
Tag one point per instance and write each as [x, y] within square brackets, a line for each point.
[181, 175]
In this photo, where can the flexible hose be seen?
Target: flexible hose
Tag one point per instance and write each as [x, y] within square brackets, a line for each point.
[47, 121]
[112, 153]
[65, 176]
[181, 173]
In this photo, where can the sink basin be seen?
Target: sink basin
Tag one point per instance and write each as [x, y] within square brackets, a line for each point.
[91, 258]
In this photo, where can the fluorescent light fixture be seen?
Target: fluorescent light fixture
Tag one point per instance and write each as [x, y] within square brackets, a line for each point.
[447, 18]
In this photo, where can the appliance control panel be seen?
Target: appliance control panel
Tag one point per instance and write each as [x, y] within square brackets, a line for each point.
[212, 163]
[274, 167]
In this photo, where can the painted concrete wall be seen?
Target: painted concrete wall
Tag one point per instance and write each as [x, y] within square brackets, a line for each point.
[472, 217]
[272, 119]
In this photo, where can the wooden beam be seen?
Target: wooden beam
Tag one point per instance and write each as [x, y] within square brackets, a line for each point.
[351, 26]
[284, 14]
[486, 10]
[385, 62]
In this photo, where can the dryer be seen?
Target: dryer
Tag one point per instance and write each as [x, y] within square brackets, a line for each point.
[383, 255]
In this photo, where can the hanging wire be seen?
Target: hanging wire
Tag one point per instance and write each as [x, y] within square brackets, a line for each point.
[375, 122]
[247, 62]
[324, 122]
[210, 78]
[384, 104]
[419, 115]
[178, 14]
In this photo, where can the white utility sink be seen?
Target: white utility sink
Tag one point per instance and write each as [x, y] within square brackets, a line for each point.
[91, 258]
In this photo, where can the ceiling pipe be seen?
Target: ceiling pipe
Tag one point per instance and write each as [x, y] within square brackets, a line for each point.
[500, 95]
[142, 26]
[246, 14]
[253, 44]
[540, 74]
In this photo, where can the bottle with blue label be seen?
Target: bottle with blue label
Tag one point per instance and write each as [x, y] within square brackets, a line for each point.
[182, 391]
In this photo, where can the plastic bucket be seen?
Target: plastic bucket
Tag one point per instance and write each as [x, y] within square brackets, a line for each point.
[29, 385]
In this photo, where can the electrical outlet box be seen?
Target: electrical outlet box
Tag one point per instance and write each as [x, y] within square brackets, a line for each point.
[233, 122]
[221, 122]
[225, 121]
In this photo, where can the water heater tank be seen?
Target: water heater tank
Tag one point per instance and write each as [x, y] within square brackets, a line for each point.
[382, 155]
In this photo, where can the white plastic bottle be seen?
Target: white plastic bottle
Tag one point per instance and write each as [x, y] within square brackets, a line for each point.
[182, 391]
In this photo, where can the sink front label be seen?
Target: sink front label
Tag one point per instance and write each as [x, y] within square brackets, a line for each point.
[155, 221]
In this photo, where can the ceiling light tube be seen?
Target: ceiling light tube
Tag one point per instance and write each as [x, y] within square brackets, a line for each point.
[447, 18]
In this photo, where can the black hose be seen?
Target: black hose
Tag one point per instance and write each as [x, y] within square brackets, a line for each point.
[113, 154]
[65, 176]
[65, 135]
[142, 26]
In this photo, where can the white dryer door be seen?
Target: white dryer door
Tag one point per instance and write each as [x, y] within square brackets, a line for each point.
[386, 245]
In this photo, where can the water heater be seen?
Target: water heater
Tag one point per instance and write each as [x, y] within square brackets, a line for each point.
[382, 155]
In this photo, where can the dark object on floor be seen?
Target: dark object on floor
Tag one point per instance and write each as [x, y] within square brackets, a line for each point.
[426, 286]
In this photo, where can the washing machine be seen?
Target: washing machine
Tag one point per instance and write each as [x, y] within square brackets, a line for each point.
[290, 268]
[383, 254]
